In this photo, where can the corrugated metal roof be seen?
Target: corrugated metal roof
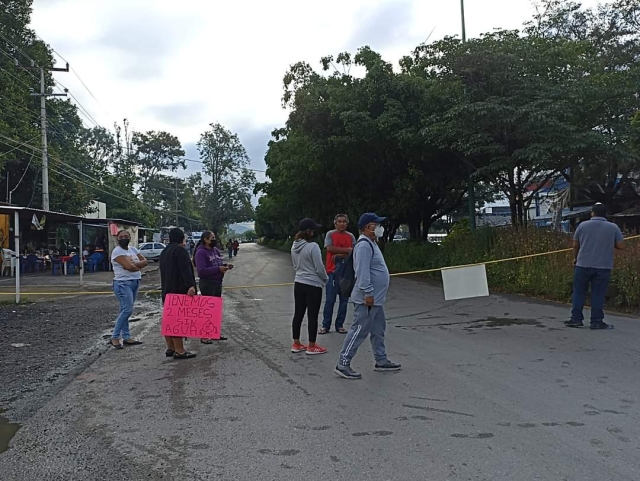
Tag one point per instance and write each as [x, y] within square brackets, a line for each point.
[6, 208]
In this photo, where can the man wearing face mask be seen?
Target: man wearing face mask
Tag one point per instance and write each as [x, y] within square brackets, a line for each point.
[368, 296]
[127, 263]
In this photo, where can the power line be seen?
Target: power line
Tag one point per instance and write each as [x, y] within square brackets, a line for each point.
[16, 148]
[81, 107]
[17, 48]
[69, 166]
[118, 195]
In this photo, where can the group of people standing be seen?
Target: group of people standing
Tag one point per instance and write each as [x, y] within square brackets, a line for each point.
[233, 246]
[594, 243]
[368, 296]
[177, 276]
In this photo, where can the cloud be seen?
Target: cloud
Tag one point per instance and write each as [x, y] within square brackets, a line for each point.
[383, 27]
[186, 114]
[140, 42]
[255, 142]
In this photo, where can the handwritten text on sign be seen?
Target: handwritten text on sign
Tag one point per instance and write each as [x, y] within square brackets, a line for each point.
[192, 316]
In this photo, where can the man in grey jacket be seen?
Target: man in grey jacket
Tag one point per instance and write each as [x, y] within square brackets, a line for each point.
[368, 296]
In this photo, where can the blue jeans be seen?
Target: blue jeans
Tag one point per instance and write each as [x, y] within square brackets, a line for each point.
[126, 292]
[365, 321]
[599, 280]
[330, 301]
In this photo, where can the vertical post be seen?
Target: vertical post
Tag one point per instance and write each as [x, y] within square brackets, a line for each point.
[464, 28]
[45, 157]
[177, 222]
[470, 180]
[80, 254]
[16, 234]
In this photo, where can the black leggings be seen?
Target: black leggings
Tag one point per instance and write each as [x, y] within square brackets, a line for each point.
[308, 299]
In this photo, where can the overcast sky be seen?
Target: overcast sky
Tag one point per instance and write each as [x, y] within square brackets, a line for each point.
[181, 65]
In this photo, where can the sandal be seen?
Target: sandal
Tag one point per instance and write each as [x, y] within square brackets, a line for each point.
[323, 331]
[116, 346]
[131, 342]
[342, 330]
[206, 341]
[169, 353]
[222, 338]
[184, 355]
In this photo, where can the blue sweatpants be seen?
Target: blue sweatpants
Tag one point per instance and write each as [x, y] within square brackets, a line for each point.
[365, 321]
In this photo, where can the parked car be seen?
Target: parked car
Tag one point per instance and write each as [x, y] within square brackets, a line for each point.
[151, 250]
[398, 238]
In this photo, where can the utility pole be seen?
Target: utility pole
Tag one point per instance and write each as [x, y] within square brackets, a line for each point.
[43, 118]
[176, 191]
[470, 183]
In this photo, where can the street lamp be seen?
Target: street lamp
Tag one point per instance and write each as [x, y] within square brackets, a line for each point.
[470, 182]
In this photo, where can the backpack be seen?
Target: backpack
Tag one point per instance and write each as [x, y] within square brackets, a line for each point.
[345, 273]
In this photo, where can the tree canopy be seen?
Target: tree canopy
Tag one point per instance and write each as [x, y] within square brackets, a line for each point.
[514, 109]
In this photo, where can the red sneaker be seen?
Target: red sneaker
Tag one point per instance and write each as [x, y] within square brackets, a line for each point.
[298, 347]
[316, 350]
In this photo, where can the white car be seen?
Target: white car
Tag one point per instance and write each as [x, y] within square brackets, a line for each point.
[151, 250]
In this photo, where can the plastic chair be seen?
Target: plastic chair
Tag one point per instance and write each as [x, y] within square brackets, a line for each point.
[95, 262]
[33, 263]
[73, 263]
[57, 266]
[9, 262]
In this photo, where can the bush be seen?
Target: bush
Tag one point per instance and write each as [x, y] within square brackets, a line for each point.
[549, 277]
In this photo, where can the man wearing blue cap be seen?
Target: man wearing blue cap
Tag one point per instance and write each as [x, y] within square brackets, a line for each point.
[368, 296]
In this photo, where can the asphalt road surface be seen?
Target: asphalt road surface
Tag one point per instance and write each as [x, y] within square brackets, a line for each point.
[491, 389]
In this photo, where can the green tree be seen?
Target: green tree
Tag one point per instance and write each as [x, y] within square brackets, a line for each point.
[154, 153]
[356, 144]
[228, 182]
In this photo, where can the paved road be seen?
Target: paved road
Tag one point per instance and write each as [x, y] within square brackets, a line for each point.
[492, 389]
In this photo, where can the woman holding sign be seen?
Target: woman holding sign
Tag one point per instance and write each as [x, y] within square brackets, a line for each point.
[176, 277]
[311, 277]
[211, 269]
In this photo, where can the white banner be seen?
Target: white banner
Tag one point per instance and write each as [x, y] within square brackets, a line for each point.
[465, 282]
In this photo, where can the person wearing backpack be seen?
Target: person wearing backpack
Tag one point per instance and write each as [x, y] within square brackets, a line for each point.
[339, 244]
[369, 296]
[307, 291]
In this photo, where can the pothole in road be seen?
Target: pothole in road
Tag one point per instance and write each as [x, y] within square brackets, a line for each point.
[506, 321]
[7, 432]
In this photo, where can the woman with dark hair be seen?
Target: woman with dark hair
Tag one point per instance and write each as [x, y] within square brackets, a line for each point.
[127, 263]
[176, 277]
[211, 269]
[311, 277]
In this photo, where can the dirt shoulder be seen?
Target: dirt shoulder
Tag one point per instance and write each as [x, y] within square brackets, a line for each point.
[47, 343]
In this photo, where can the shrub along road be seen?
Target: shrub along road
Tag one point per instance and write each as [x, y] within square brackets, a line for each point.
[493, 388]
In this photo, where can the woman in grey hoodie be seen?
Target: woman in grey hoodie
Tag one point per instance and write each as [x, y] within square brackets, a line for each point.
[311, 277]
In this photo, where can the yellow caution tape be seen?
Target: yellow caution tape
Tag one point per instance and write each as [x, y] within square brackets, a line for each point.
[287, 284]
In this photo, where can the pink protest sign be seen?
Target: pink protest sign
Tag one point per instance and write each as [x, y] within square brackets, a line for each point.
[192, 316]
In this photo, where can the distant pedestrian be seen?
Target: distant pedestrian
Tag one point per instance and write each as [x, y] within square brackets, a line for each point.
[236, 247]
[211, 269]
[369, 296]
[309, 281]
[230, 248]
[64, 248]
[339, 243]
[176, 277]
[127, 263]
[594, 243]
